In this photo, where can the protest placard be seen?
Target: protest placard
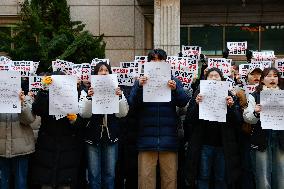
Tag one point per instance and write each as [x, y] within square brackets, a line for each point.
[156, 88]
[35, 83]
[237, 48]
[10, 87]
[191, 52]
[220, 63]
[104, 100]
[279, 65]
[213, 106]
[272, 108]
[63, 95]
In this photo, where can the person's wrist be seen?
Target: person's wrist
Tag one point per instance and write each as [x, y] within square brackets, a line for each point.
[257, 115]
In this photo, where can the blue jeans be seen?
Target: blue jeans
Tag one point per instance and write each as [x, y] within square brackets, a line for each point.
[16, 165]
[269, 165]
[211, 158]
[101, 165]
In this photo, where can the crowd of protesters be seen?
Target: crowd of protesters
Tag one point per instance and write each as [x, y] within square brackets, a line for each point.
[145, 145]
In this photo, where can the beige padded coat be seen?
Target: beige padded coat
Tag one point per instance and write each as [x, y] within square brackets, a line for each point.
[16, 134]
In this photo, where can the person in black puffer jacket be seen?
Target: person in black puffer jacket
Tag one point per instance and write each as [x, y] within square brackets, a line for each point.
[58, 148]
[157, 139]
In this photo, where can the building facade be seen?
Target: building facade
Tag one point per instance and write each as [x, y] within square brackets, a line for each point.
[132, 27]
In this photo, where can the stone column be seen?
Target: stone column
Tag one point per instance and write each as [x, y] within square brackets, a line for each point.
[167, 25]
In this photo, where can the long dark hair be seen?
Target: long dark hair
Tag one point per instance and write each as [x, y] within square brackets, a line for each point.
[264, 73]
[99, 65]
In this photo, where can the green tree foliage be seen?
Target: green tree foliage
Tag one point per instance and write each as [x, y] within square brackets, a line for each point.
[46, 32]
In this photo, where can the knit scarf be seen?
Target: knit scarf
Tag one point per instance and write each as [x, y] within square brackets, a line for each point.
[266, 88]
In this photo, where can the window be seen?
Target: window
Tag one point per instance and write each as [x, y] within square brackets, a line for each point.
[184, 36]
[210, 38]
[272, 38]
[243, 33]
[213, 38]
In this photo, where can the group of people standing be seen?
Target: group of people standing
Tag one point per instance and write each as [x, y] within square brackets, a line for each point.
[236, 154]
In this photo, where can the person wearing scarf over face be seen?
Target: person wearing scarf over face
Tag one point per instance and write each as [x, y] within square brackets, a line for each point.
[102, 136]
[268, 145]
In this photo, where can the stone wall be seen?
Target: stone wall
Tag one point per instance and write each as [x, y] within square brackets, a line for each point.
[121, 22]
[127, 32]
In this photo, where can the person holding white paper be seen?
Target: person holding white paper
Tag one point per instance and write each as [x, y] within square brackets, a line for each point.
[59, 148]
[102, 136]
[17, 142]
[213, 145]
[268, 145]
[157, 136]
[252, 79]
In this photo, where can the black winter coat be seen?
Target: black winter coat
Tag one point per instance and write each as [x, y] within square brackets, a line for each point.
[58, 149]
[229, 134]
[93, 131]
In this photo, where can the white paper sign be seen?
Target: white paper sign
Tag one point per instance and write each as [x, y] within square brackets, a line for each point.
[62, 65]
[5, 66]
[243, 70]
[104, 100]
[249, 89]
[35, 83]
[266, 64]
[124, 76]
[141, 60]
[25, 67]
[264, 55]
[97, 61]
[10, 86]
[128, 64]
[185, 77]
[254, 66]
[172, 60]
[272, 109]
[279, 65]
[231, 82]
[188, 51]
[221, 63]
[133, 68]
[213, 106]
[156, 88]
[237, 48]
[82, 71]
[4, 60]
[63, 95]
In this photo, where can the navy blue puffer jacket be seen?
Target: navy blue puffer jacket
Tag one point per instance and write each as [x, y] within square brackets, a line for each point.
[157, 121]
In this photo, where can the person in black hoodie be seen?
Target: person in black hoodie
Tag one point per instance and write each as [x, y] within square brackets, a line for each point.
[267, 144]
[213, 146]
[58, 149]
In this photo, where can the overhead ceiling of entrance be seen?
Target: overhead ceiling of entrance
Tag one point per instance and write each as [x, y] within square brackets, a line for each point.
[224, 11]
